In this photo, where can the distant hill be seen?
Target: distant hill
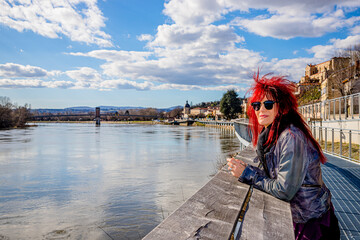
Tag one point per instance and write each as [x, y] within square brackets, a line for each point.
[86, 109]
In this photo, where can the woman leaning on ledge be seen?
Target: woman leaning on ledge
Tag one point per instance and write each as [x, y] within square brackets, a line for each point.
[289, 157]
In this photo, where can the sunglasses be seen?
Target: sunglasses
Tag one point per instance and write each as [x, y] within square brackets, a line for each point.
[267, 104]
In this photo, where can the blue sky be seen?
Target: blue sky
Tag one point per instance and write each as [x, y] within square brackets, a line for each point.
[63, 53]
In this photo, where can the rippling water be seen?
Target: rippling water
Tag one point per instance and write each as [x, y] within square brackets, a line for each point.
[78, 181]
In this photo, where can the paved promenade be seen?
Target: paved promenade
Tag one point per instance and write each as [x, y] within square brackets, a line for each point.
[343, 179]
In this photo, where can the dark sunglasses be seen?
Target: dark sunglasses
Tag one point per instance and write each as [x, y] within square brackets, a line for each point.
[267, 104]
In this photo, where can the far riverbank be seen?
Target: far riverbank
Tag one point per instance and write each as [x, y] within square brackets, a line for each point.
[113, 122]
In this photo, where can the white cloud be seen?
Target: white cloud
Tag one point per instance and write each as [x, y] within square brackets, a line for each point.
[80, 20]
[285, 26]
[356, 30]
[189, 12]
[13, 70]
[323, 51]
[337, 45]
[84, 74]
[283, 19]
[145, 37]
[23, 83]
[126, 84]
[304, 7]
[34, 83]
[182, 55]
[58, 84]
[223, 88]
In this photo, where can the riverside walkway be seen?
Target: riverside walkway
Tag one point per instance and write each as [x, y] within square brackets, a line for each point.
[342, 177]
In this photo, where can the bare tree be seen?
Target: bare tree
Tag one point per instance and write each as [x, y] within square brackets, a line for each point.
[345, 76]
[5, 112]
[176, 113]
[21, 115]
[12, 115]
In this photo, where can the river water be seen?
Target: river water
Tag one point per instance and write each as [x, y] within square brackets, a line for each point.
[78, 181]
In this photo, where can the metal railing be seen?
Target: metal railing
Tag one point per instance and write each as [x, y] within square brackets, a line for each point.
[341, 108]
[242, 132]
[344, 143]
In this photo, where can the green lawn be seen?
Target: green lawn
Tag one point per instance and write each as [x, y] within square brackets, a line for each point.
[345, 149]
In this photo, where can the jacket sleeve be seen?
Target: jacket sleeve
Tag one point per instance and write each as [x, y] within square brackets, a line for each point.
[293, 162]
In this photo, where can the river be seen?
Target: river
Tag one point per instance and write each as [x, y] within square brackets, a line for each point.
[78, 181]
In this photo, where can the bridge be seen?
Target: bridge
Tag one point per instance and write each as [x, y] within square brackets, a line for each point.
[90, 115]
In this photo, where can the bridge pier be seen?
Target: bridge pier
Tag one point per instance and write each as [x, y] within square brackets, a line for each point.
[97, 116]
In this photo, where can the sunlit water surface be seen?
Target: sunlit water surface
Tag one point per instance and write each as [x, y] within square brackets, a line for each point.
[78, 181]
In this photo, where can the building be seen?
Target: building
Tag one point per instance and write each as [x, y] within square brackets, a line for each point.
[186, 111]
[244, 102]
[328, 75]
[213, 112]
[198, 111]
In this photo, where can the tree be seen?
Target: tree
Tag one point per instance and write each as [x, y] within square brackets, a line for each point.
[230, 104]
[5, 113]
[21, 115]
[311, 94]
[11, 115]
[176, 113]
[343, 78]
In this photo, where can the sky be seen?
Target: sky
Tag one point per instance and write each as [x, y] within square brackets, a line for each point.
[66, 53]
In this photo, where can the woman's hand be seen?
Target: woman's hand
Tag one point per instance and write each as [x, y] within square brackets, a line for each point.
[236, 166]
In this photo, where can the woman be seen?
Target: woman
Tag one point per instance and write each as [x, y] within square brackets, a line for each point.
[289, 159]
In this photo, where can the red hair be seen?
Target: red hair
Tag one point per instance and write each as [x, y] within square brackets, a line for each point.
[281, 90]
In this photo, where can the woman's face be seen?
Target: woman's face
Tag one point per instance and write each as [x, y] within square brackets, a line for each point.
[264, 116]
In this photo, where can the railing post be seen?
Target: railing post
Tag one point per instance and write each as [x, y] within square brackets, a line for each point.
[325, 139]
[352, 106]
[350, 144]
[308, 111]
[321, 113]
[328, 110]
[340, 142]
[332, 140]
[335, 108]
[345, 106]
[359, 108]
[313, 111]
[339, 108]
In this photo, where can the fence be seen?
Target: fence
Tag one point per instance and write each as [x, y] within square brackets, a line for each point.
[242, 132]
[341, 108]
[343, 143]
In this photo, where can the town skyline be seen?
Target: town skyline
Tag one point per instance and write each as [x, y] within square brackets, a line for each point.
[59, 54]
